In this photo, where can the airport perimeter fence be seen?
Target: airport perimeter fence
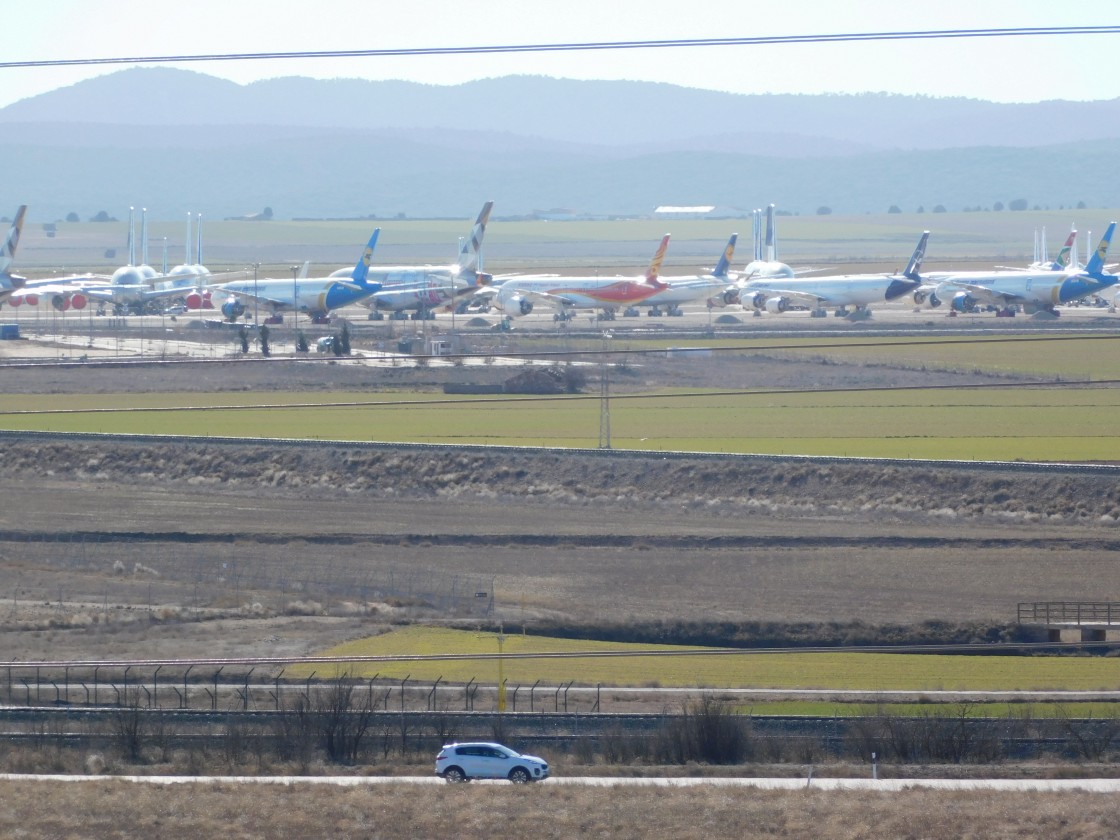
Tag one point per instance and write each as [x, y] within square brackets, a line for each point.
[162, 577]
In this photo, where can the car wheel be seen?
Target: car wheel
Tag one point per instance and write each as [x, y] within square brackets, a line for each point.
[454, 775]
[520, 776]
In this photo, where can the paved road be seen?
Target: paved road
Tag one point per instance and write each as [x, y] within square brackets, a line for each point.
[885, 785]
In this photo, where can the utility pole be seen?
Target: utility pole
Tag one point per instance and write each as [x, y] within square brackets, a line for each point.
[605, 396]
[256, 299]
[295, 296]
[501, 680]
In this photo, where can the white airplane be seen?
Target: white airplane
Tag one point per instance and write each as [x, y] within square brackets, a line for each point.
[518, 295]
[716, 288]
[765, 263]
[1039, 290]
[131, 288]
[423, 289]
[195, 271]
[9, 282]
[314, 295]
[839, 291]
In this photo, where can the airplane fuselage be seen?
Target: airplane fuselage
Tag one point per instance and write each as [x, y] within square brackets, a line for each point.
[687, 290]
[857, 290]
[1046, 288]
[572, 292]
[316, 295]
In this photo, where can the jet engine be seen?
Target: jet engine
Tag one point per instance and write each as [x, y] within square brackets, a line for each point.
[78, 300]
[752, 300]
[518, 305]
[963, 302]
[199, 300]
[929, 298]
[233, 309]
[60, 302]
[724, 298]
[775, 305]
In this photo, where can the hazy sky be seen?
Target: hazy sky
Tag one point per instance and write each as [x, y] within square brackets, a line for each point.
[1014, 69]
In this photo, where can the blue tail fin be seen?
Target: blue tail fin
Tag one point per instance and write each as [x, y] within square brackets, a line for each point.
[361, 270]
[724, 263]
[915, 265]
[1095, 266]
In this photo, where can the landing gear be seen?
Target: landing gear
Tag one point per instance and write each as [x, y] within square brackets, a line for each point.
[632, 312]
[374, 315]
[675, 311]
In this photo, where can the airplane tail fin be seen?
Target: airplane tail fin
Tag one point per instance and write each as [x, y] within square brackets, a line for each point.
[1095, 266]
[724, 264]
[1062, 260]
[361, 270]
[131, 236]
[11, 242]
[771, 242]
[655, 265]
[198, 242]
[914, 267]
[143, 235]
[756, 229]
[470, 252]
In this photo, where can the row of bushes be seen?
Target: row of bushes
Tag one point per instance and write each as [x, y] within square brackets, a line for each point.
[336, 726]
[750, 634]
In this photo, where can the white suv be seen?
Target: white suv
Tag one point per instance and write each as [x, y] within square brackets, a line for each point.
[485, 760]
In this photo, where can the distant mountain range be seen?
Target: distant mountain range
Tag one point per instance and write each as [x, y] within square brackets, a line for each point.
[177, 140]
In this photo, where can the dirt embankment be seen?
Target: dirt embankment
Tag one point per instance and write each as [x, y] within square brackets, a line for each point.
[790, 487]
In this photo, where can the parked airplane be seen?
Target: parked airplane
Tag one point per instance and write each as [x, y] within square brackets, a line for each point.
[1035, 291]
[715, 288]
[314, 295]
[423, 289]
[9, 282]
[195, 271]
[765, 263]
[518, 295]
[840, 291]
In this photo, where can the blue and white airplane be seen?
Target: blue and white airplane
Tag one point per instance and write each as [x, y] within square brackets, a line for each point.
[1036, 290]
[315, 296]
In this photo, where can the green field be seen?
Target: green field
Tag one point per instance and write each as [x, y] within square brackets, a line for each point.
[1024, 424]
[839, 671]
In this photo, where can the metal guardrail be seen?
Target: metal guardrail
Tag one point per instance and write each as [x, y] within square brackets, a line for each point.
[1095, 613]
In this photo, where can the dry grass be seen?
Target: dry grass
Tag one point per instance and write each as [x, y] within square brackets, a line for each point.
[121, 809]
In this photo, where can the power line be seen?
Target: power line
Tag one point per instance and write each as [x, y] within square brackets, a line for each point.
[673, 43]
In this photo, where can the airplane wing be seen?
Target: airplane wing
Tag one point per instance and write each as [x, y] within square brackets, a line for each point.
[549, 299]
[986, 294]
[259, 298]
[798, 297]
[111, 294]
